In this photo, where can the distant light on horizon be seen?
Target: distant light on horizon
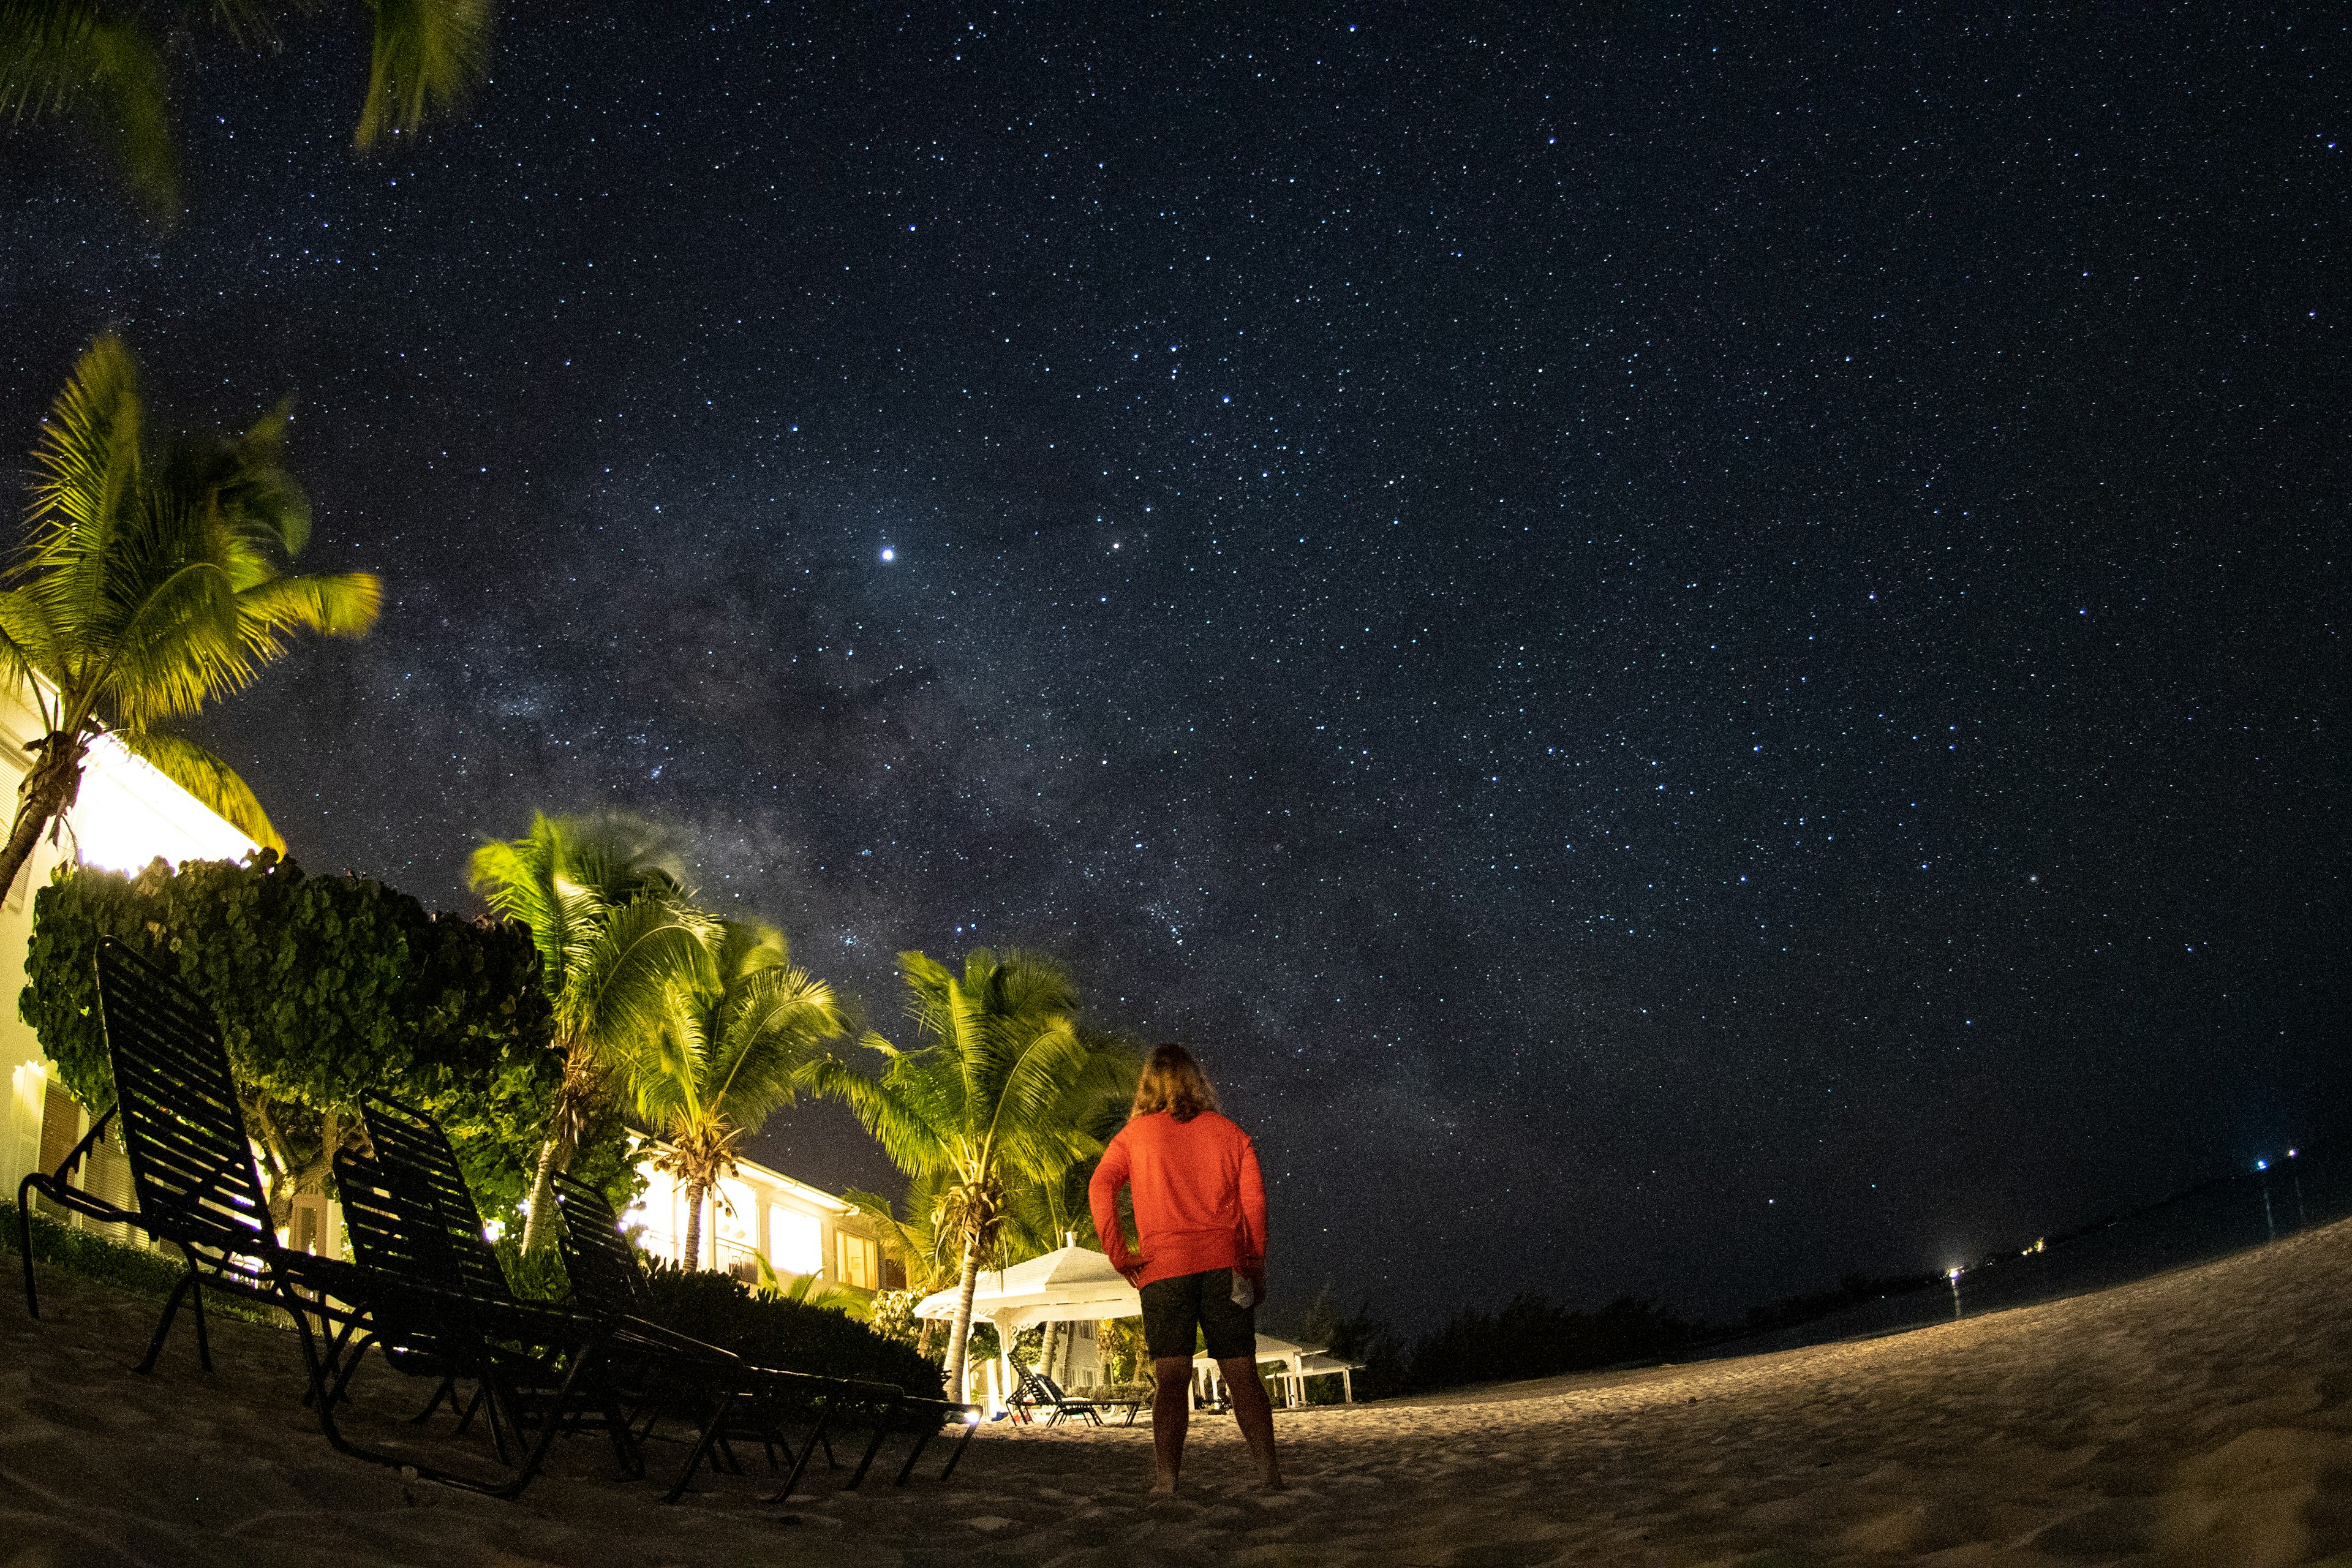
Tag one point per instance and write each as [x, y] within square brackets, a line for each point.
[889, 553]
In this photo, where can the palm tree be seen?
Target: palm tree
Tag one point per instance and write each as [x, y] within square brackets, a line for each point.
[730, 1059]
[999, 1101]
[808, 1289]
[619, 942]
[103, 63]
[145, 589]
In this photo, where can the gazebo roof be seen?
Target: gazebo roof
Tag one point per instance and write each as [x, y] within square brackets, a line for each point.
[1271, 1349]
[1070, 1283]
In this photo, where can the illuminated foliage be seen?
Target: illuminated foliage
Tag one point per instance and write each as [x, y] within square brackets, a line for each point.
[323, 986]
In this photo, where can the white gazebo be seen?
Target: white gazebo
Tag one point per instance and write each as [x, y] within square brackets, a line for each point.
[1298, 1362]
[1070, 1284]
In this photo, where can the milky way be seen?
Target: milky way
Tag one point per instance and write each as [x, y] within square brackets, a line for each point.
[1694, 655]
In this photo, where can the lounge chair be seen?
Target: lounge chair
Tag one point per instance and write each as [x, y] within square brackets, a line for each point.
[607, 1278]
[454, 1319]
[197, 1189]
[1130, 1403]
[1039, 1392]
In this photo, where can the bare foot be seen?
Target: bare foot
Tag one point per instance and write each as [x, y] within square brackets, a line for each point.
[1272, 1484]
[1163, 1483]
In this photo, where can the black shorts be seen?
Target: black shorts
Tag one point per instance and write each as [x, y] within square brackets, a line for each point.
[1173, 1307]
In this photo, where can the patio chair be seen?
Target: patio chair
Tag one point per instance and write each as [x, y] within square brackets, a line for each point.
[1130, 1403]
[607, 1278]
[1039, 1392]
[193, 1177]
[411, 1213]
[197, 1189]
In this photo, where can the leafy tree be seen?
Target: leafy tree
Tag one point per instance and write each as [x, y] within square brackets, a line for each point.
[145, 589]
[101, 64]
[619, 942]
[1001, 1098]
[323, 986]
[730, 1057]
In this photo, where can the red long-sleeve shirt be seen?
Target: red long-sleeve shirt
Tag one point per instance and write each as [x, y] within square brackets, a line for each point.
[1200, 1202]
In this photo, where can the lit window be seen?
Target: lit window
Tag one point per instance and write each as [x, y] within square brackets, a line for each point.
[861, 1260]
[795, 1241]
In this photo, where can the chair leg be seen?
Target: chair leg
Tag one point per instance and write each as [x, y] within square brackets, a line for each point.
[582, 1359]
[164, 1325]
[702, 1446]
[447, 1389]
[196, 1301]
[922, 1441]
[873, 1446]
[824, 1415]
[25, 1241]
[957, 1457]
[473, 1407]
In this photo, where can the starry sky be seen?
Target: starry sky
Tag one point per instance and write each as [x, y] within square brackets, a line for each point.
[1692, 653]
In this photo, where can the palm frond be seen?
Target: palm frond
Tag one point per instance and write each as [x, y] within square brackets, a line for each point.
[212, 780]
[87, 463]
[79, 59]
[429, 55]
[260, 500]
[335, 605]
[626, 982]
[179, 645]
[913, 1144]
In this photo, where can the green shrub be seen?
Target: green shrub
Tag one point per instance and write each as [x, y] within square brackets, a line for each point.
[720, 1309]
[138, 1269]
[538, 1277]
[324, 987]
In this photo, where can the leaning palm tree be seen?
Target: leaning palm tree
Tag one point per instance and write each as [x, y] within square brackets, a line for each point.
[619, 941]
[101, 63]
[731, 1058]
[1000, 1100]
[147, 587]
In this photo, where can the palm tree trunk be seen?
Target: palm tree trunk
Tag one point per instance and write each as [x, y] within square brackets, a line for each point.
[48, 791]
[959, 1331]
[693, 1255]
[573, 1097]
[552, 1158]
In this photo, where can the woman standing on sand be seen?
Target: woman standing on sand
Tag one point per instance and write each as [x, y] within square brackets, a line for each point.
[1199, 1217]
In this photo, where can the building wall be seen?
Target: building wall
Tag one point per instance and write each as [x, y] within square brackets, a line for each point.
[800, 1229]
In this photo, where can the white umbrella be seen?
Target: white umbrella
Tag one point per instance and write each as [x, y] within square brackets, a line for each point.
[1070, 1284]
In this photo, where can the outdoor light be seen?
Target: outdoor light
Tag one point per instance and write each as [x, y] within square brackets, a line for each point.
[2262, 1164]
[2290, 1153]
[1954, 1275]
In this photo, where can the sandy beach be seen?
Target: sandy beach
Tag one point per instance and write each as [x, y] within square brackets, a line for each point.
[2202, 1417]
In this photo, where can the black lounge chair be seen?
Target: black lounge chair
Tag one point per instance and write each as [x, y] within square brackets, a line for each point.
[644, 1367]
[1039, 1392]
[192, 1170]
[607, 1277]
[197, 1188]
[453, 1319]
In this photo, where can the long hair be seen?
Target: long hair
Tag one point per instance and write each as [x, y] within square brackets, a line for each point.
[1173, 1082]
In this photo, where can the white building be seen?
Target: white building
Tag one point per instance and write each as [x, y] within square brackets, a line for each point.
[799, 1228]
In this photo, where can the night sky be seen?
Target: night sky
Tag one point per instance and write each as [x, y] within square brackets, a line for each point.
[1692, 654]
